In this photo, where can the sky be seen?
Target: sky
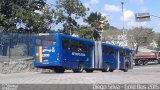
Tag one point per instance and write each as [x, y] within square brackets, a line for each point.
[112, 9]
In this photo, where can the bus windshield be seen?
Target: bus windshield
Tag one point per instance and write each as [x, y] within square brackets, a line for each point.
[45, 40]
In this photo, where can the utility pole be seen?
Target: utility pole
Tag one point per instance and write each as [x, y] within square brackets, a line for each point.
[122, 16]
[123, 35]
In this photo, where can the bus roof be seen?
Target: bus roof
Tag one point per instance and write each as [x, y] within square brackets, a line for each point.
[76, 38]
[107, 44]
[116, 46]
[91, 42]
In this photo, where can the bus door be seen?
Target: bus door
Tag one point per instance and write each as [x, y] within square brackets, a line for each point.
[122, 59]
[45, 49]
[110, 57]
[129, 58]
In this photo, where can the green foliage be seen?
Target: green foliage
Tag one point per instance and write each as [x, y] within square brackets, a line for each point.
[25, 16]
[67, 12]
[140, 37]
[85, 33]
[96, 20]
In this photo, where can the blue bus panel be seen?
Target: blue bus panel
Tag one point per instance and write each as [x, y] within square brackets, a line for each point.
[59, 52]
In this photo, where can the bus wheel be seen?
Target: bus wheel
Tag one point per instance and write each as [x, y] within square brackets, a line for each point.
[145, 62]
[106, 69]
[89, 70]
[80, 68]
[111, 70]
[59, 70]
[126, 68]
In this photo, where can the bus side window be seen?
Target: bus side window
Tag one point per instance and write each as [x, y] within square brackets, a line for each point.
[82, 46]
[38, 41]
[74, 45]
[122, 52]
[74, 48]
[65, 44]
[110, 50]
[105, 50]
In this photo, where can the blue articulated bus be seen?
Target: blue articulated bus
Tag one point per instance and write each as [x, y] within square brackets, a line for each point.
[60, 52]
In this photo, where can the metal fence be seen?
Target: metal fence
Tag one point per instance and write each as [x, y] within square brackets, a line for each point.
[15, 45]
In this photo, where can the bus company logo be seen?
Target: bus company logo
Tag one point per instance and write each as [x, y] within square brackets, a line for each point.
[78, 54]
[47, 50]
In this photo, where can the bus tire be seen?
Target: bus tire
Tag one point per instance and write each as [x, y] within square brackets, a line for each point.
[80, 68]
[107, 68]
[126, 68]
[89, 70]
[145, 62]
[59, 70]
[111, 70]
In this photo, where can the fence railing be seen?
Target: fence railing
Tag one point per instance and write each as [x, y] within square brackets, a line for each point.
[15, 45]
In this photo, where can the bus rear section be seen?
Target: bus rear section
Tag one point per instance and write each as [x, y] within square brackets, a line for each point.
[116, 58]
[45, 53]
[126, 60]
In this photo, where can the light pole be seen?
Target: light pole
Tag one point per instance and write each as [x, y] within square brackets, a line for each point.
[123, 35]
[122, 16]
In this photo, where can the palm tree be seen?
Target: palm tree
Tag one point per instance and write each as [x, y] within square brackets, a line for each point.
[97, 21]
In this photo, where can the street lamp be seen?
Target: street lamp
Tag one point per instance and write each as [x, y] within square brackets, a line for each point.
[122, 16]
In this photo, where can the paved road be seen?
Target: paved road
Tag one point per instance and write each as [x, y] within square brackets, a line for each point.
[149, 74]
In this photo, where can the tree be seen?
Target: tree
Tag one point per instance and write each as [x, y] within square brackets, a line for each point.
[97, 21]
[39, 22]
[140, 37]
[157, 40]
[84, 32]
[112, 36]
[25, 16]
[67, 12]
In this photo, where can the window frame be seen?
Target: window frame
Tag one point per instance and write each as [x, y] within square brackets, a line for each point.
[76, 44]
[108, 50]
[47, 38]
